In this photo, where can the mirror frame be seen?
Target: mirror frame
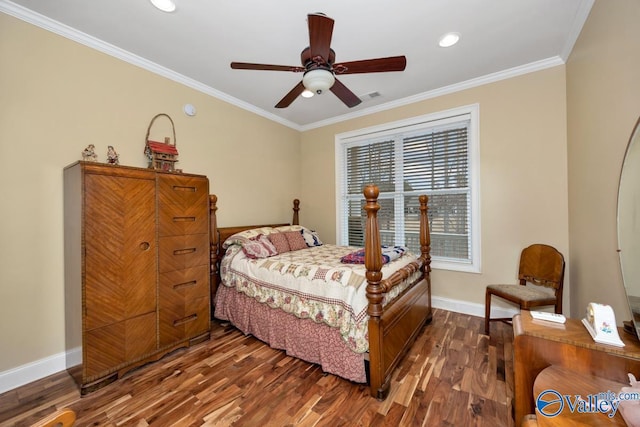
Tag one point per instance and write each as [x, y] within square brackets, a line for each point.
[633, 296]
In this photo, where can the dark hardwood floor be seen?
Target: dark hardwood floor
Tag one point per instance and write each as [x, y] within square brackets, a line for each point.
[453, 376]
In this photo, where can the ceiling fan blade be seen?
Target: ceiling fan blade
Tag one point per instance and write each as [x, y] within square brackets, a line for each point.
[345, 95]
[379, 65]
[291, 96]
[268, 67]
[320, 32]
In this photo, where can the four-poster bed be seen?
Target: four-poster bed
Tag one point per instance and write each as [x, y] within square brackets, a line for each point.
[382, 328]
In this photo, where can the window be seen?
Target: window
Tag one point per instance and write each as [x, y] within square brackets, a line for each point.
[435, 155]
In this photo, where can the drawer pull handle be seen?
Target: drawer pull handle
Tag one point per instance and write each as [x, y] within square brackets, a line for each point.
[145, 246]
[184, 285]
[184, 219]
[184, 251]
[185, 320]
[184, 188]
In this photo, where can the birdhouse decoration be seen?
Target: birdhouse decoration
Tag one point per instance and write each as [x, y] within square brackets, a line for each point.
[161, 155]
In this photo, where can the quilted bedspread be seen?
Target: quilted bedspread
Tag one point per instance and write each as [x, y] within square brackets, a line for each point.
[312, 283]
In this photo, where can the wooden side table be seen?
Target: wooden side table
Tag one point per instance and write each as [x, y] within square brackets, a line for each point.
[539, 344]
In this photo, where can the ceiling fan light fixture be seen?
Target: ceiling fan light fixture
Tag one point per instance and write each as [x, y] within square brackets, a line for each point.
[449, 39]
[307, 93]
[164, 5]
[318, 80]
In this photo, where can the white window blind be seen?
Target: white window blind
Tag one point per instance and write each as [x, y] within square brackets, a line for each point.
[432, 158]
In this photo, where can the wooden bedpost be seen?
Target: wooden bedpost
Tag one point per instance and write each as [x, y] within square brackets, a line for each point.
[425, 249]
[213, 239]
[373, 264]
[296, 209]
[394, 328]
[373, 251]
[425, 235]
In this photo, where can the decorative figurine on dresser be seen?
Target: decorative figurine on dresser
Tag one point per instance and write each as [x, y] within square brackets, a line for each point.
[113, 158]
[136, 268]
[89, 154]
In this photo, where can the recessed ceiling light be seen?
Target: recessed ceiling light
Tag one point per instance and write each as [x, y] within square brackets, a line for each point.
[449, 39]
[164, 5]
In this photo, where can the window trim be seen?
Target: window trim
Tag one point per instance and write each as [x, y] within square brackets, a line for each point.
[472, 112]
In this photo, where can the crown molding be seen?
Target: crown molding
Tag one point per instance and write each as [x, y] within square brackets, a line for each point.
[578, 23]
[63, 30]
[70, 33]
[468, 84]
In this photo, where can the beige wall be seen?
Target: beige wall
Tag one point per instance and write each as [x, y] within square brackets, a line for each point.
[603, 104]
[523, 174]
[57, 96]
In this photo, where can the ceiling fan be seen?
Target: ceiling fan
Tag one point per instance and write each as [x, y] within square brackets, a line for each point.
[319, 67]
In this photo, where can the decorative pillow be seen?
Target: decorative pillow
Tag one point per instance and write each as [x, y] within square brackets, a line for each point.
[311, 237]
[258, 247]
[241, 237]
[279, 240]
[295, 240]
[264, 241]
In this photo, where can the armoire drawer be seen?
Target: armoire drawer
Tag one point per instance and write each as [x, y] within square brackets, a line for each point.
[182, 190]
[184, 285]
[180, 320]
[183, 205]
[177, 220]
[180, 252]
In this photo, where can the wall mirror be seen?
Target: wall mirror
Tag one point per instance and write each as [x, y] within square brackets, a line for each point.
[629, 227]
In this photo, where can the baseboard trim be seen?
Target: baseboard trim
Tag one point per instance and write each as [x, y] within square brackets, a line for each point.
[42, 368]
[470, 308]
[16, 377]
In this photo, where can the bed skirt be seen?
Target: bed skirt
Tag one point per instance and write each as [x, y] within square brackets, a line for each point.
[300, 338]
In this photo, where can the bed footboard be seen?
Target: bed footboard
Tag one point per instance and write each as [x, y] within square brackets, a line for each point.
[394, 328]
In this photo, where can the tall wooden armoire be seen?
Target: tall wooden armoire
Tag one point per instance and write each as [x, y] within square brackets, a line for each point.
[136, 267]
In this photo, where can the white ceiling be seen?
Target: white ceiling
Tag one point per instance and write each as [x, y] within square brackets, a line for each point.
[195, 44]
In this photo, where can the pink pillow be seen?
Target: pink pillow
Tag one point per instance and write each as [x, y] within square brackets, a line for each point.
[258, 247]
[295, 240]
[279, 240]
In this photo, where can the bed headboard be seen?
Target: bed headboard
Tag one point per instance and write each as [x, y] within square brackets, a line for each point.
[218, 235]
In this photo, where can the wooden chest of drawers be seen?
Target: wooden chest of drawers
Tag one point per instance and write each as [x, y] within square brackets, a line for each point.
[136, 268]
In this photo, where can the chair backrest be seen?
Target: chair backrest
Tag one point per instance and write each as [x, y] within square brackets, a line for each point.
[542, 265]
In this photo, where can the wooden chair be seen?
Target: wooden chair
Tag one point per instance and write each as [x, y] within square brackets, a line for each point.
[61, 418]
[541, 265]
